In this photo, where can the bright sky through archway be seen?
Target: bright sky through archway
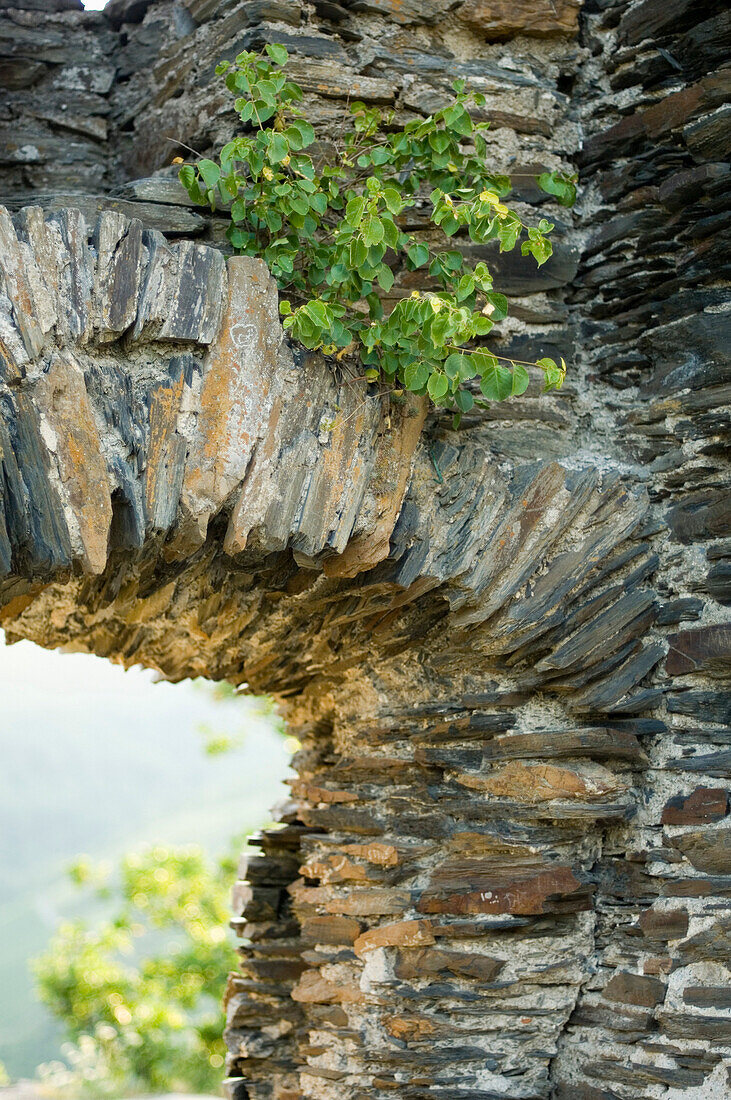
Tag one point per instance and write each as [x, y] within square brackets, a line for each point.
[97, 761]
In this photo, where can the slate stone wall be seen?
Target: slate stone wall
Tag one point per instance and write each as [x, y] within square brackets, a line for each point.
[503, 872]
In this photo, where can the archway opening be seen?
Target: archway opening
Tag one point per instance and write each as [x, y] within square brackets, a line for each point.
[122, 821]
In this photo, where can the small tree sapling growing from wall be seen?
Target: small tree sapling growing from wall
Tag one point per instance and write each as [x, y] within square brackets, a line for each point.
[332, 233]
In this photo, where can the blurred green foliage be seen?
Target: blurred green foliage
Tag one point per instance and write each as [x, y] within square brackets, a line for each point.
[140, 993]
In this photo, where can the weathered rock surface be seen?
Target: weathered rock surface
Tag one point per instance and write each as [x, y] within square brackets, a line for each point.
[504, 867]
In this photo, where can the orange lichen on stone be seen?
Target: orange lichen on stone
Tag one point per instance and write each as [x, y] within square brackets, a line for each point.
[370, 903]
[501, 19]
[394, 457]
[312, 988]
[237, 378]
[522, 897]
[383, 855]
[542, 782]
[321, 794]
[71, 434]
[409, 1028]
[335, 868]
[405, 933]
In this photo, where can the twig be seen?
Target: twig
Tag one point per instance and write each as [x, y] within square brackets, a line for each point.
[503, 358]
[182, 144]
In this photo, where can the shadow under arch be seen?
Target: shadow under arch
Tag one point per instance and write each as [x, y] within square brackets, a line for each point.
[461, 642]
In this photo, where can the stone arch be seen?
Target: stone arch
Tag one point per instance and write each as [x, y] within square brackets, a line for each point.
[502, 872]
[464, 646]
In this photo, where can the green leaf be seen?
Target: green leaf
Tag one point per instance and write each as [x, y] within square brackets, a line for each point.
[354, 211]
[390, 233]
[458, 121]
[304, 130]
[439, 141]
[278, 148]
[238, 237]
[303, 164]
[210, 172]
[238, 210]
[452, 260]
[299, 204]
[278, 53]
[539, 247]
[416, 375]
[437, 385]
[372, 230]
[465, 287]
[508, 233]
[292, 91]
[318, 311]
[375, 306]
[499, 305]
[418, 254]
[553, 374]
[187, 176]
[496, 381]
[464, 400]
[467, 368]
[559, 185]
[229, 186]
[482, 325]
[358, 253]
[285, 308]
[452, 364]
[521, 380]
[393, 200]
[385, 277]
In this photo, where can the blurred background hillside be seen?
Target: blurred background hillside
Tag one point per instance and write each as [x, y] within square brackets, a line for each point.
[98, 761]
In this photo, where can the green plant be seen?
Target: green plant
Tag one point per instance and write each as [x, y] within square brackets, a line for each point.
[333, 233]
[140, 993]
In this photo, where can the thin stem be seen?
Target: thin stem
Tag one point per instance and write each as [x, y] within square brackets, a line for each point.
[182, 145]
[382, 393]
[503, 358]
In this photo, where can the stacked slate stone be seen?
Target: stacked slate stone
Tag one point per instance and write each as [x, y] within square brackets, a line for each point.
[56, 74]
[503, 871]
[656, 324]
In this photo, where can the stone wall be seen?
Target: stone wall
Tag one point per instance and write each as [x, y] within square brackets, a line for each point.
[503, 872]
